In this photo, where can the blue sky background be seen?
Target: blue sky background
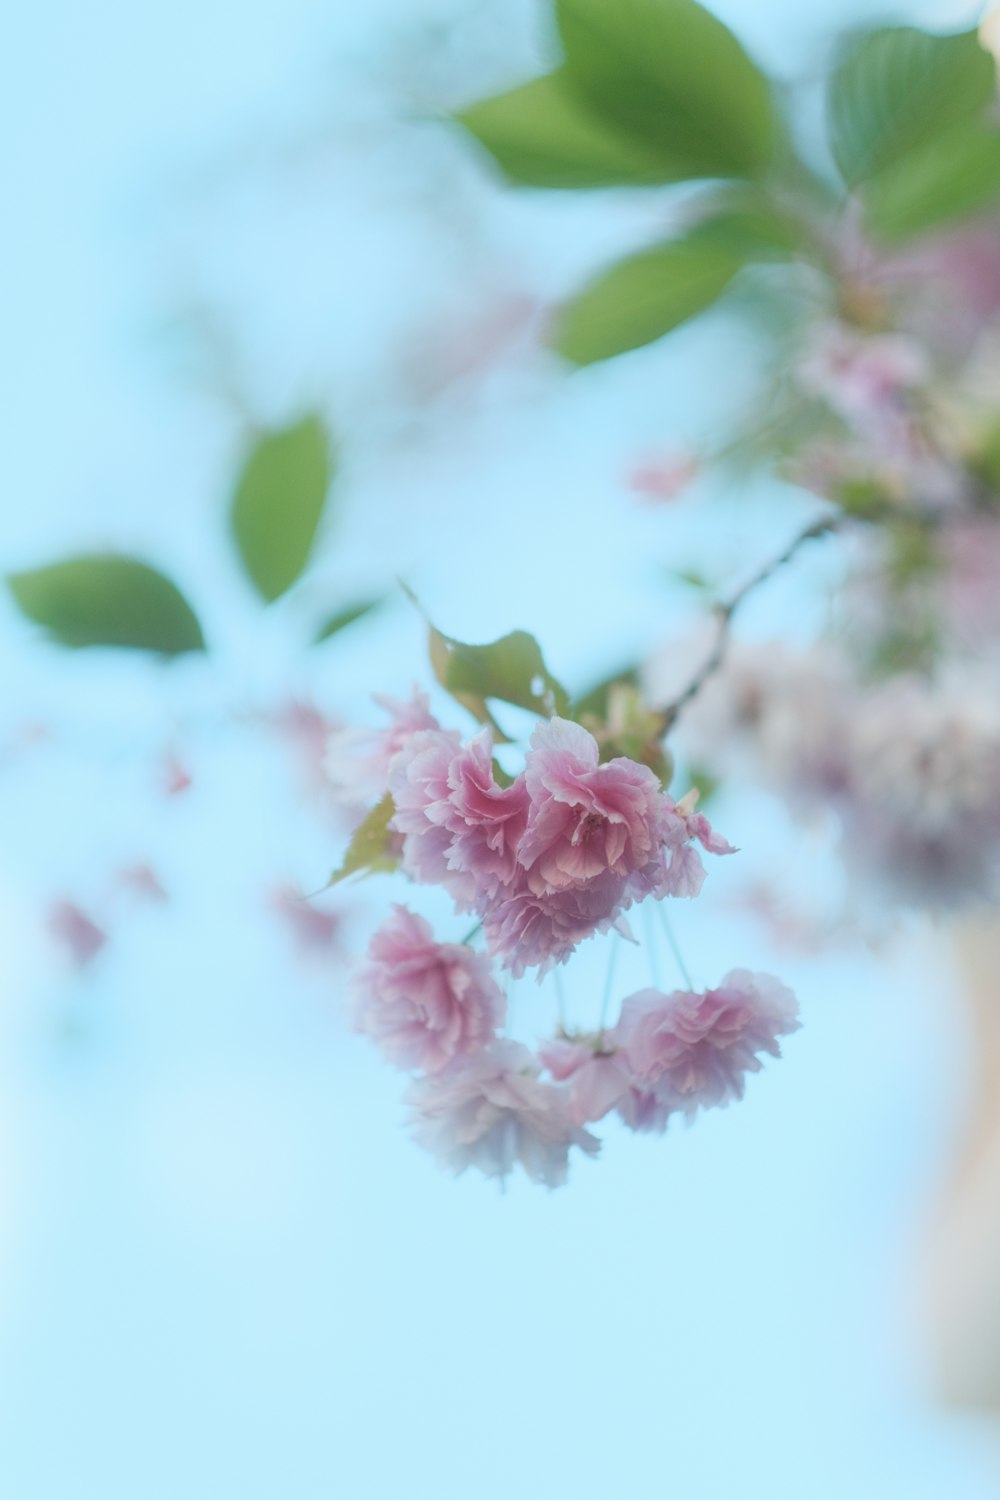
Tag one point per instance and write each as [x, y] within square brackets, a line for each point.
[224, 1271]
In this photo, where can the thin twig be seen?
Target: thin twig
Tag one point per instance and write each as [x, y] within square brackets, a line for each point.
[725, 612]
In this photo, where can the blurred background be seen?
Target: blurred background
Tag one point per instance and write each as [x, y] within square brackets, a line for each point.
[224, 1268]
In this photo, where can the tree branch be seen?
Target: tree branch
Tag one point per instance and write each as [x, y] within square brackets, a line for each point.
[725, 612]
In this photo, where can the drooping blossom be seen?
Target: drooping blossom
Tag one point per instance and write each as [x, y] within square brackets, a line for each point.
[358, 759]
[586, 820]
[556, 856]
[595, 1073]
[425, 1004]
[486, 821]
[687, 1051]
[525, 930]
[492, 1112]
[418, 781]
[680, 871]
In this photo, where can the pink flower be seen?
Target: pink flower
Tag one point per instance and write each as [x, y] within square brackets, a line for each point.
[598, 1079]
[175, 774]
[486, 821]
[664, 477]
[863, 378]
[688, 1051]
[418, 781]
[142, 880]
[586, 819]
[426, 1004]
[683, 873]
[313, 929]
[70, 925]
[358, 759]
[493, 1111]
[525, 930]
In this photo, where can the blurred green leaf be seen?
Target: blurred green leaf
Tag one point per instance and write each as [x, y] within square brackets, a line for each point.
[984, 461]
[706, 784]
[370, 851]
[593, 704]
[945, 179]
[642, 298]
[745, 225]
[896, 88]
[347, 616]
[511, 670]
[544, 134]
[107, 600]
[279, 502]
[676, 78]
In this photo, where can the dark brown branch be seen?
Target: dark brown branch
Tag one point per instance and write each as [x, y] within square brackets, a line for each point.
[725, 612]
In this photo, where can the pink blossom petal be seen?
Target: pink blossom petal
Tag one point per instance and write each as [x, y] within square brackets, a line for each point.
[425, 1004]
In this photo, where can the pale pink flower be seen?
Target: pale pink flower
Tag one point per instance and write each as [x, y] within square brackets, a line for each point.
[664, 477]
[176, 777]
[687, 1051]
[81, 937]
[418, 782]
[597, 838]
[526, 930]
[425, 1004]
[307, 732]
[314, 929]
[863, 378]
[486, 821]
[586, 820]
[596, 1075]
[493, 1111]
[142, 880]
[358, 759]
[680, 872]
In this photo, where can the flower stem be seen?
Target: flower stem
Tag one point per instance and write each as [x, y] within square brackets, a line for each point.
[472, 932]
[651, 947]
[560, 1000]
[606, 998]
[675, 950]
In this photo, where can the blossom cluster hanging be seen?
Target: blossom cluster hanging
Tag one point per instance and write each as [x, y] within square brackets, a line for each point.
[543, 861]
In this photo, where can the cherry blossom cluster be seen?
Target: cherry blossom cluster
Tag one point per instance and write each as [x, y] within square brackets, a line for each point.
[909, 765]
[902, 391]
[543, 860]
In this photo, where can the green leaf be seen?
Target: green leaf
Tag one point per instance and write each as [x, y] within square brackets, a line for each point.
[593, 704]
[935, 184]
[347, 616]
[673, 76]
[897, 88]
[511, 669]
[642, 298]
[106, 600]
[544, 134]
[745, 225]
[705, 782]
[370, 851]
[278, 504]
